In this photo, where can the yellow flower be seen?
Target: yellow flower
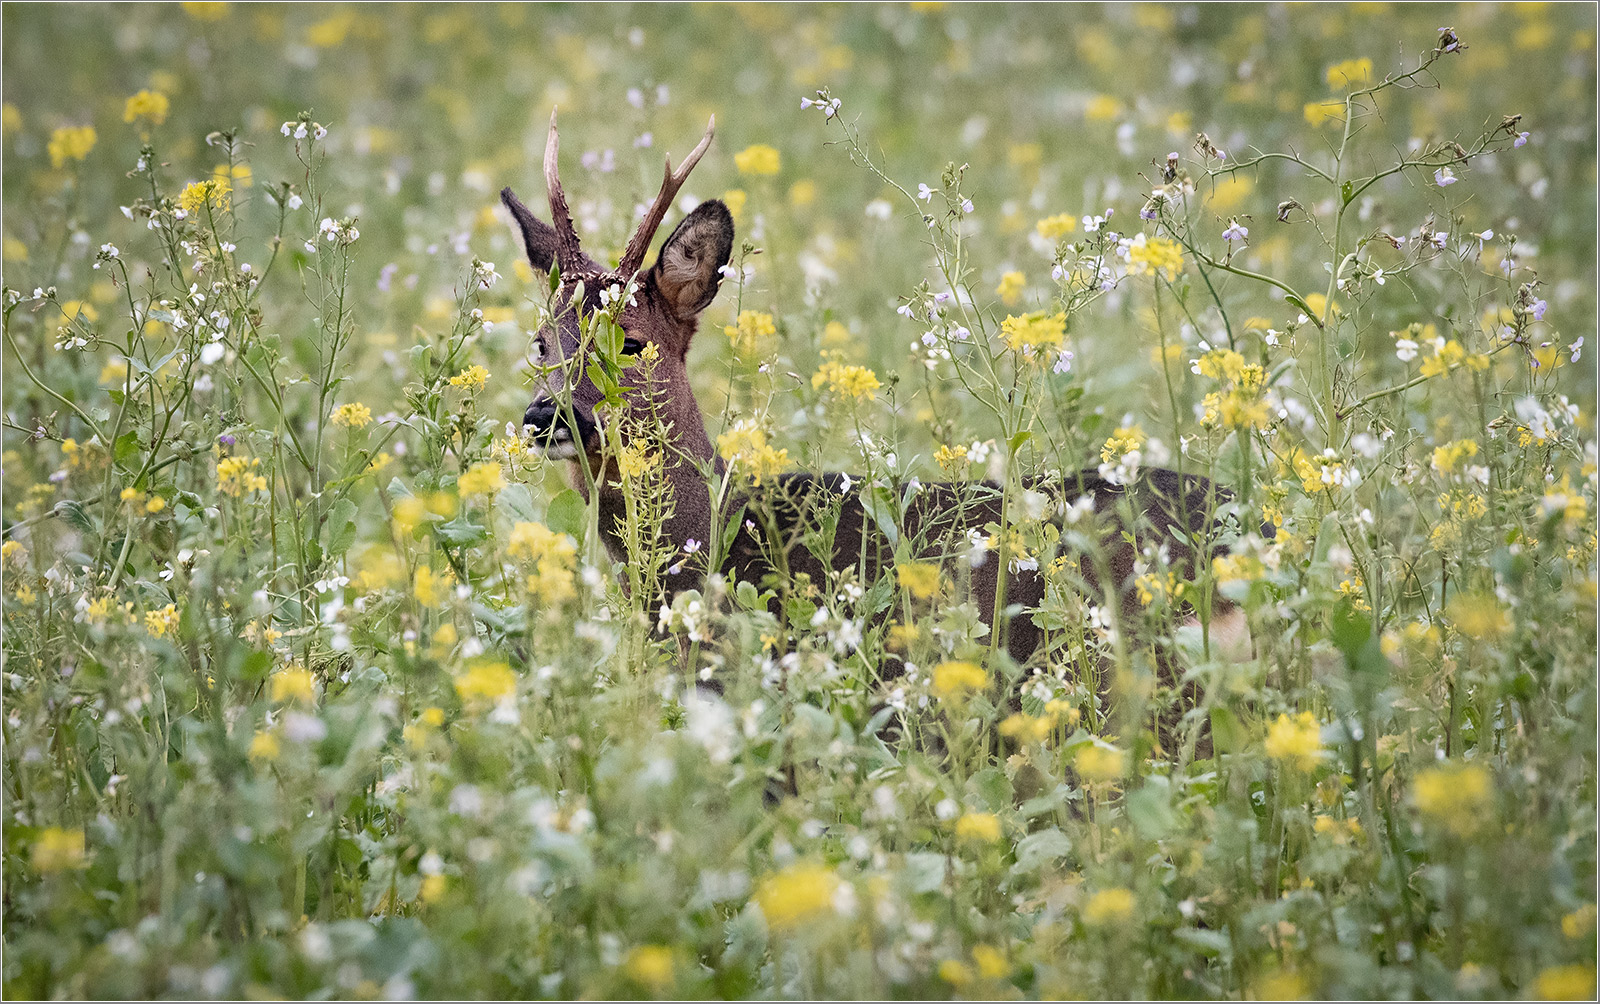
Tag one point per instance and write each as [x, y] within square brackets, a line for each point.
[951, 458]
[920, 579]
[796, 894]
[1318, 113]
[802, 193]
[1350, 73]
[70, 143]
[429, 587]
[1102, 108]
[485, 683]
[155, 504]
[539, 543]
[239, 175]
[746, 447]
[293, 684]
[1479, 616]
[1098, 764]
[482, 479]
[237, 476]
[264, 746]
[151, 106]
[59, 850]
[1566, 983]
[1445, 357]
[15, 250]
[835, 335]
[636, 461]
[1057, 226]
[750, 328]
[205, 10]
[1148, 255]
[353, 416]
[849, 381]
[1125, 440]
[978, 827]
[955, 972]
[1023, 727]
[1228, 195]
[1109, 906]
[953, 680]
[10, 119]
[1010, 289]
[472, 378]
[1579, 922]
[734, 199]
[13, 553]
[991, 961]
[1031, 332]
[1458, 796]
[433, 888]
[1446, 457]
[1296, 741]
[651, 965]
[163, 622]
[199, 194]
[757, 159]
[329, 32]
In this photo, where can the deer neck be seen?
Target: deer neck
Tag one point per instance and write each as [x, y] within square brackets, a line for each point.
[686, 453]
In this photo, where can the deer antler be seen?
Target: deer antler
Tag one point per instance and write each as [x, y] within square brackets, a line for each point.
[639, 243]
[569, 257]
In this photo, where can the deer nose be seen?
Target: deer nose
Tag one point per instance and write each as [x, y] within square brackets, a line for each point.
[541, 415]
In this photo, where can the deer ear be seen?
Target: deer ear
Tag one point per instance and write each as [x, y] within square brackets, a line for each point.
[690, 267]
[538, 237]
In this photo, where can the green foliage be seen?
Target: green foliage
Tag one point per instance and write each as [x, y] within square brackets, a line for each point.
[320, 683]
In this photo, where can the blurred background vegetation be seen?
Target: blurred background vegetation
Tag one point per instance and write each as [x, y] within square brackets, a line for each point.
[1056, 109]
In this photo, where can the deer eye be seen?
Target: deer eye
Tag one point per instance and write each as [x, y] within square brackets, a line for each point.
[632, 346]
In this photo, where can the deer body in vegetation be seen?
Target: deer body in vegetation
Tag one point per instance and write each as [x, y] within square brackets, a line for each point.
[796, 528]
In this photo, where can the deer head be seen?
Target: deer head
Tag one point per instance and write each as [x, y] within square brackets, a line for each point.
[663, 311]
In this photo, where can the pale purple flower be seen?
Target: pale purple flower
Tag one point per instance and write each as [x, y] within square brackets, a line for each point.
[1235, 232]
[1522, 138]
[1538, 309]
[924, 193]
[1577, 348]
[1445, 177]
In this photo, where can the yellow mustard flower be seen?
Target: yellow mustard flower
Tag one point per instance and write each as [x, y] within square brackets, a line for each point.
[798, 893]
[149, 106]
[1297, 741]
[70, 143]
[757, 159]
[1108, 907]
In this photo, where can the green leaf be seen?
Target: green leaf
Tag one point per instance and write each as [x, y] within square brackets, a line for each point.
[341, 527]
[516, 503]
[127, 445]
[1042, 848]
[461, 533]
[565, 514]
[1150, 809]
[1347, 191]
[879, 503]
[72, 512]
[991, 787]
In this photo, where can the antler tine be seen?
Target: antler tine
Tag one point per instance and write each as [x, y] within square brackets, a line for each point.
[568, 254]
[671, 181]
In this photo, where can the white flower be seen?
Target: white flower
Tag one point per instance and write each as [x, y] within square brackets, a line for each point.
[1406, 349]
[1577, 348]
[924, 193]
[212, 352]
[1377, 276]
[879, 209]
[1445, 177]
[295, 202]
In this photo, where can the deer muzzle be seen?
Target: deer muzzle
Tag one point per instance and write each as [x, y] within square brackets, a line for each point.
[560, 432]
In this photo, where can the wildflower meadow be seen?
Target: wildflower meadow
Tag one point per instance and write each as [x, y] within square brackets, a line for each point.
[321, 682]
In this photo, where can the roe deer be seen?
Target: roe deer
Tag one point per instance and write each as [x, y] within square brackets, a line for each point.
[1171, 512]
